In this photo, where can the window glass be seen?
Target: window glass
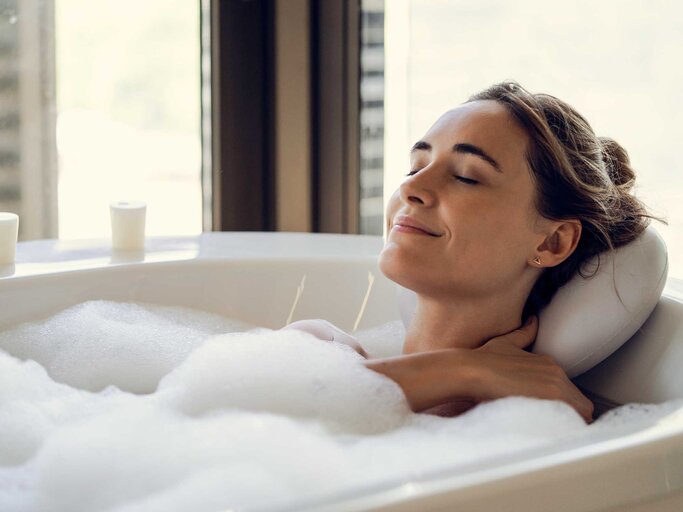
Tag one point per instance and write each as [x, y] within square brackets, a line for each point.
[617, 62]
[128, 124]
[100, 102]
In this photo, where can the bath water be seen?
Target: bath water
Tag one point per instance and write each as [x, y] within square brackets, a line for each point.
[136, 407]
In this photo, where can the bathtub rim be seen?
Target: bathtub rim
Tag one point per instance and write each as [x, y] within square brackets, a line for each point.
[572, 464]
[49, 256]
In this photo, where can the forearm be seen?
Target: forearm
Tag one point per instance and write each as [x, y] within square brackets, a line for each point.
[428, 379]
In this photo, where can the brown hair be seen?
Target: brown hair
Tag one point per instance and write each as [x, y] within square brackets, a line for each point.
[578, 175]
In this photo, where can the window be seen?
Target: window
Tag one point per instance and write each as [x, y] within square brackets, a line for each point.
[28, 177]
[99, 102]
[372, 117]
[614, 61]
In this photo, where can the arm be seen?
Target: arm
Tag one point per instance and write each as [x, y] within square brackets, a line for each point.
[428, 379]
[499, 368]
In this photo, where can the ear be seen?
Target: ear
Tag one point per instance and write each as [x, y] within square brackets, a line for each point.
[559, 243]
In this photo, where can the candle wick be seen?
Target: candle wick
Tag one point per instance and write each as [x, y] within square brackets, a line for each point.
[299, 291]
[371, 279]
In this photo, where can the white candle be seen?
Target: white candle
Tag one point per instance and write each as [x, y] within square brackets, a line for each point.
[128, 225]
[9, 230]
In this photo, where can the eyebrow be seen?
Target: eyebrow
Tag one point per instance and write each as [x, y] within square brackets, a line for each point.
[461, 147]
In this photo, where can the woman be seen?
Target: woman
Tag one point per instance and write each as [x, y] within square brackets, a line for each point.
[507, 195]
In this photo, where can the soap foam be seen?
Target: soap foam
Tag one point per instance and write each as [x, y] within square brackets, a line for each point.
[257, 419]
[32, 406]
[99, 343]
[286, 372]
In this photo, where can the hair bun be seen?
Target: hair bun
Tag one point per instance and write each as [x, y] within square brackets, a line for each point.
[618, 164]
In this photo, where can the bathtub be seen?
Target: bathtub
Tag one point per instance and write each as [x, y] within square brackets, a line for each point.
[640, 468]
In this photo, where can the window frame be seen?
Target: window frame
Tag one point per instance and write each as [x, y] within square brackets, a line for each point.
[248, 116]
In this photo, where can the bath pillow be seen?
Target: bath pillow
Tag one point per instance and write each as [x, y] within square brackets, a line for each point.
[586, 321]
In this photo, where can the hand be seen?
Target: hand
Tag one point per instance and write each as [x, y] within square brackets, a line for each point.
[326, 331]
[503, 368]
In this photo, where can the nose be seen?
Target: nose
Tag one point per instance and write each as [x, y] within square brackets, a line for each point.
[420, 188]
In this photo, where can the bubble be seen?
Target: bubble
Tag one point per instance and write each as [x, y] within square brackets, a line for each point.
[100, 343]
[286, 372]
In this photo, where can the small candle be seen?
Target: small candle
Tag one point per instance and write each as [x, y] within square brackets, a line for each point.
[9, 230]
[128, 225]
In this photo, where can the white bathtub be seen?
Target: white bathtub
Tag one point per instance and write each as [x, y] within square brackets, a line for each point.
[639, 469]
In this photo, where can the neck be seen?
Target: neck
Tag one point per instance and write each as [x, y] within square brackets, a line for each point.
[469, 323]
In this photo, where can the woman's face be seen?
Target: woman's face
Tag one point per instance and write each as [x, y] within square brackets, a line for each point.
[471, 187]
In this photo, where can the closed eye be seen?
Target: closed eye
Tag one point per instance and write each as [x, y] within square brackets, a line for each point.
[467, 181]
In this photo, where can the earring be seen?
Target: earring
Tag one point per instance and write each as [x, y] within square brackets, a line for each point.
[537, 260]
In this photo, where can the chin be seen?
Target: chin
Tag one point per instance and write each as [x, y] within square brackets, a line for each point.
[389, 263]
[398, 270]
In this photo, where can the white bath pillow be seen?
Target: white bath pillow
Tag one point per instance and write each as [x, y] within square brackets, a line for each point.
[586, 321]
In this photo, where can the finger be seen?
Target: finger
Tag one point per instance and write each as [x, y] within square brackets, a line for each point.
[578, 406]
[525, 335]
[585, 410]
[582, 404]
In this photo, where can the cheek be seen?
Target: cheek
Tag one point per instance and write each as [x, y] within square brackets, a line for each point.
[490, 242]
[510, 244]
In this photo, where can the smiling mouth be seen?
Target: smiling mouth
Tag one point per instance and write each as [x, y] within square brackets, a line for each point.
[412, 230]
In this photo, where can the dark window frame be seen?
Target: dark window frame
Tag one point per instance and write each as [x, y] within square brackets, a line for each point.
[242, 99]
[243, 123]
[335, 47]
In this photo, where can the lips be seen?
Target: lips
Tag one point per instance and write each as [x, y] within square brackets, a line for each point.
[411, 222]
